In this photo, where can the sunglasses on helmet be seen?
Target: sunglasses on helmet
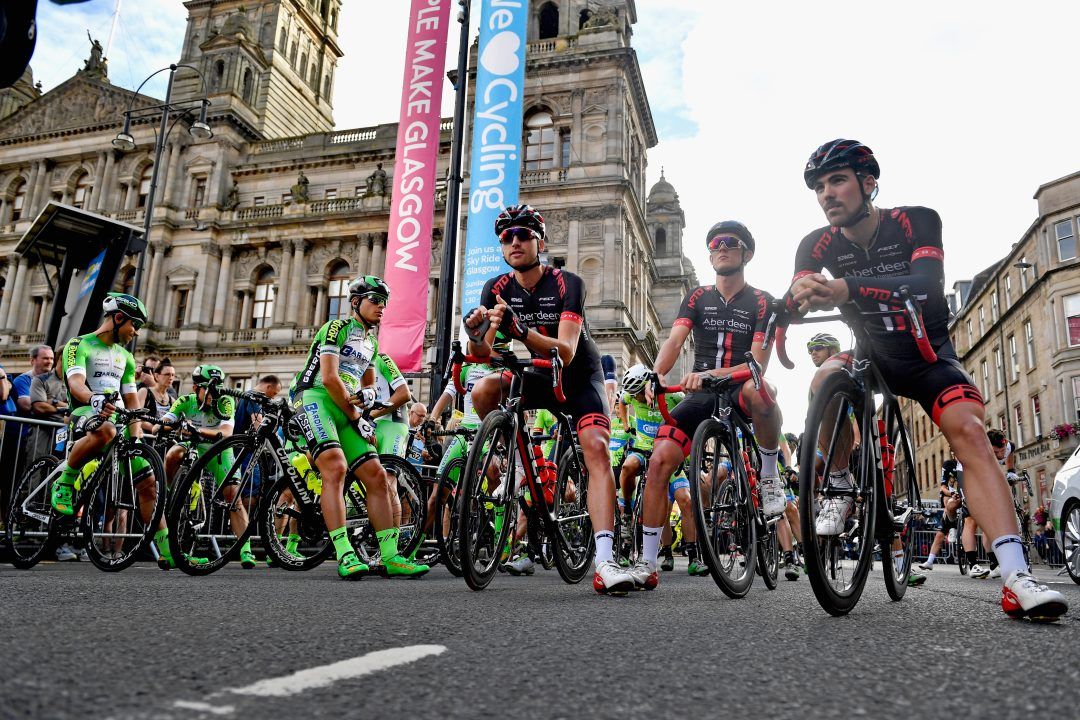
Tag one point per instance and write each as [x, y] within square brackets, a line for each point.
[725, 241]
[517, 233]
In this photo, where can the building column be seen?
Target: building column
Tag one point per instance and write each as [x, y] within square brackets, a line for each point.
[99, 178]
[296, 289]
[132, 195]
[31, 189]
[320, 305]
[43, 317]
[376, 255]
[224, 276]
[43, 187]
[365, 255]
[9, 287]
[107, 201]
[168, 194]
[157, 250]
[281, 298]
[205, 284]
[245, 311]
[14, 307]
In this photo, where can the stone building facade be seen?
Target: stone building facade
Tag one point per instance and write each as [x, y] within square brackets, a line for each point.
[1016, 328]
[256, 231]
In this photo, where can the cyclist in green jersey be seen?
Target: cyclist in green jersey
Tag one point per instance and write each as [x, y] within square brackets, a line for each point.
[212, 416]
[336, 382]
[391, 432]
[645, 417]
[96, 367]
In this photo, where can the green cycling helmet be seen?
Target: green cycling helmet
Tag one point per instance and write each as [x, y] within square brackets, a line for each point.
[823, 339]
[129, 305]
[207, 375]
[370, 285]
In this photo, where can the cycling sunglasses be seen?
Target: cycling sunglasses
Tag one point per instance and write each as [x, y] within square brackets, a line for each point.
[726, 241]
[815, 348]
[376, 299]
[517, 233]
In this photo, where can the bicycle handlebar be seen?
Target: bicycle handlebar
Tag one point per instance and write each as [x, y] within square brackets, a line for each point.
[510, 362]
[752, 372]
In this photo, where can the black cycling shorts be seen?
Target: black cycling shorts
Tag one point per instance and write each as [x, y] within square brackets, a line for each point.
[695, 409]
[586, 398]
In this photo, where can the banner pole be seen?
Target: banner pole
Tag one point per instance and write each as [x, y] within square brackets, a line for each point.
[448, 269]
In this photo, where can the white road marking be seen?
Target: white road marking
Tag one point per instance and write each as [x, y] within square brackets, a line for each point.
[316, 677]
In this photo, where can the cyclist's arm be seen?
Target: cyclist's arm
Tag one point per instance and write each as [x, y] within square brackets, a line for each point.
[335, 387]
[669, 351]
[400, 389]
[445, 400]
[77, 388]
[399, 397]
[623, 412]
[1010, 461]
[131, 400]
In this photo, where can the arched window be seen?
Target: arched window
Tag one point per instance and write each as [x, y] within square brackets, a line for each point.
[661, 240]
[262, 312]
[18, 201]
[245, 89]
[338, 292]
[267, 35]
[283, 40]
[303, 65]
[82, 188]
[292, 54]
[313, 81]
[125, 281]
[144, 186]
[326, 86]
[539, 142]
[219, 74]
[549, 21]
[333, 19]
[584, 18]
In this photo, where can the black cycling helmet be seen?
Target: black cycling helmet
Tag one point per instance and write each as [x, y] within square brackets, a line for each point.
[837, 154]
[206, 375]
[732, 227]
[524, 216]
[369, 285]
[129, 305]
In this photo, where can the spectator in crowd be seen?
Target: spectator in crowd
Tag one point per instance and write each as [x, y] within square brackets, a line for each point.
[247, 414]
[421, 451]
[41, 361]
[159, 396]
[1039, 540]
[7, 402]
[48, 401]
[1041, 516]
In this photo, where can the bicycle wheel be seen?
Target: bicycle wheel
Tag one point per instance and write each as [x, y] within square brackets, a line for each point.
[838, 562]
[904, 505]
[768, 556]
[209, 522]
[573, 540]
[30, 515]
[961, 556]
[119, 515]
[413, 498]
[723, 509]
[488, 511]
[294, 535]
[447, 513]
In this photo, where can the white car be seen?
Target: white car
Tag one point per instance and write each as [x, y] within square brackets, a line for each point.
[1065, 513]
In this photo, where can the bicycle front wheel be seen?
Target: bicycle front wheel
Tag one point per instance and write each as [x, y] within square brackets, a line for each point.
[573, 541]
[447, 514]
[961, 556]
[904, 505]
[30, 513]
[723, 509]
[125, 499]
[210, 514]
[412, 499]
[837, 519]
[768, 556]
[294, 535]
[487, 506]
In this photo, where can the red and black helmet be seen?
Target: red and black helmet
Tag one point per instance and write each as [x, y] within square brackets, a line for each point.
[525, 216]
[837, 154]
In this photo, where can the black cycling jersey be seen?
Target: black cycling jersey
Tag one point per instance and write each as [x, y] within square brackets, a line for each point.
[558, 296]
[907, 250]
[723, 329]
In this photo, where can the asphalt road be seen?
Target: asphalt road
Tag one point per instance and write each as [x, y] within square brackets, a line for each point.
[78, 643]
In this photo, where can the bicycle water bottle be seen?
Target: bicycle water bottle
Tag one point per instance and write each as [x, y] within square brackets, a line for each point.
[545, 474]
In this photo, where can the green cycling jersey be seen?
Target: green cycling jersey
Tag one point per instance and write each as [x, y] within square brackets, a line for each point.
[352, 342]
[646, 418]
[107, 368]
[187, 407]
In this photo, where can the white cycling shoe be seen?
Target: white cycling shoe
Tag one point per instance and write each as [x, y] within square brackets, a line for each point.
[644, 577]
[611, 578]
[773, 499]
[1023, 597]
[833, 515]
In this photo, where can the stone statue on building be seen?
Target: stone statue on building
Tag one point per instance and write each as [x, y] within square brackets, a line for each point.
[300, 189]
[601, 17]
[234, 197]
[376, 182]
[95, 64]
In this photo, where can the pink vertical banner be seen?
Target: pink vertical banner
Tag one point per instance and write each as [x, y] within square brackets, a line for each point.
[412, 211]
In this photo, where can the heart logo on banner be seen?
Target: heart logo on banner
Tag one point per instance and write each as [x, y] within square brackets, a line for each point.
[500, 55]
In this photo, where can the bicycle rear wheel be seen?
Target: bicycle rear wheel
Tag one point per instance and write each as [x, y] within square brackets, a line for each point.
[447, 514]
[29, 517]
[573, 539]
[488, 511]
[209, 522]
[117, 523]
[294, 535]
[722, 509]
[838, 561]
[768, 556]
[904, 506]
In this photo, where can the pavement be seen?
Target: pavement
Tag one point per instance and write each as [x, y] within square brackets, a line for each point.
[262, 643]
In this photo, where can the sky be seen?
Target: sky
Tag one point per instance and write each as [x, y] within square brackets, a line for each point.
[969, 107]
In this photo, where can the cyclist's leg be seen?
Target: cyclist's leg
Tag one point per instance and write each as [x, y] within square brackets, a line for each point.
[369, 471]
[86, 449]
[391, 438]
[842, 449]
[627, 480]
[489, 392]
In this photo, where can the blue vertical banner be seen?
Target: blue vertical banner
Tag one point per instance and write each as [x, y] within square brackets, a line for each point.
[495, 167]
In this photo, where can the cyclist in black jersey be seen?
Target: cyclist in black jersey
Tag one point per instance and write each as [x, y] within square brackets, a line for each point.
[544, 308]
[871, 253]
[728, 319]
[951, 471]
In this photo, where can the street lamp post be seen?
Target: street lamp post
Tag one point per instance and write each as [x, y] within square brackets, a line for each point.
[199, 130]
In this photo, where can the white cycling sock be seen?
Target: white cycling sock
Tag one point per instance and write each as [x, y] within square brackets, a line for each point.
[930, 559]
[604, 540]
[898, 559]
[768, 462]
[1010, 555]
[650, 544]
[839, 478]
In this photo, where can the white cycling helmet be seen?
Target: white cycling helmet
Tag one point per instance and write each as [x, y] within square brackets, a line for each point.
[635, 379]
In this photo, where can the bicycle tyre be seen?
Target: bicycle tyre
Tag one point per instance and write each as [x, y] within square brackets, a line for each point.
[410, 489]
[726, 534]
[825, 555]
[130, 450]
[768, 556]
[446, 504]
[905, 500]
[30, 538]
[495, 441]
[308, 523]
[573, 542]
[961, 556]
[192, 511]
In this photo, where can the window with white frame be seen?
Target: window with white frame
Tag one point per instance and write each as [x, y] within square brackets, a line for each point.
[258, 201]
[985, 378]
[82, 188]
[1036, 416]
[337, 292]
[540, 142]
[1025, 276]
[1018, 418]
[262, 312]
[1066, 240]
[198, 197]
[982, 320]
[1014, 360]
[331, 194]
[999, 370]
[144, 186]
[971, 336]
[1001, 423]
[18, 202]
[1029, 344]
[1076, 398]
[1072, 319]
[1008, 291]
[994, 306]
